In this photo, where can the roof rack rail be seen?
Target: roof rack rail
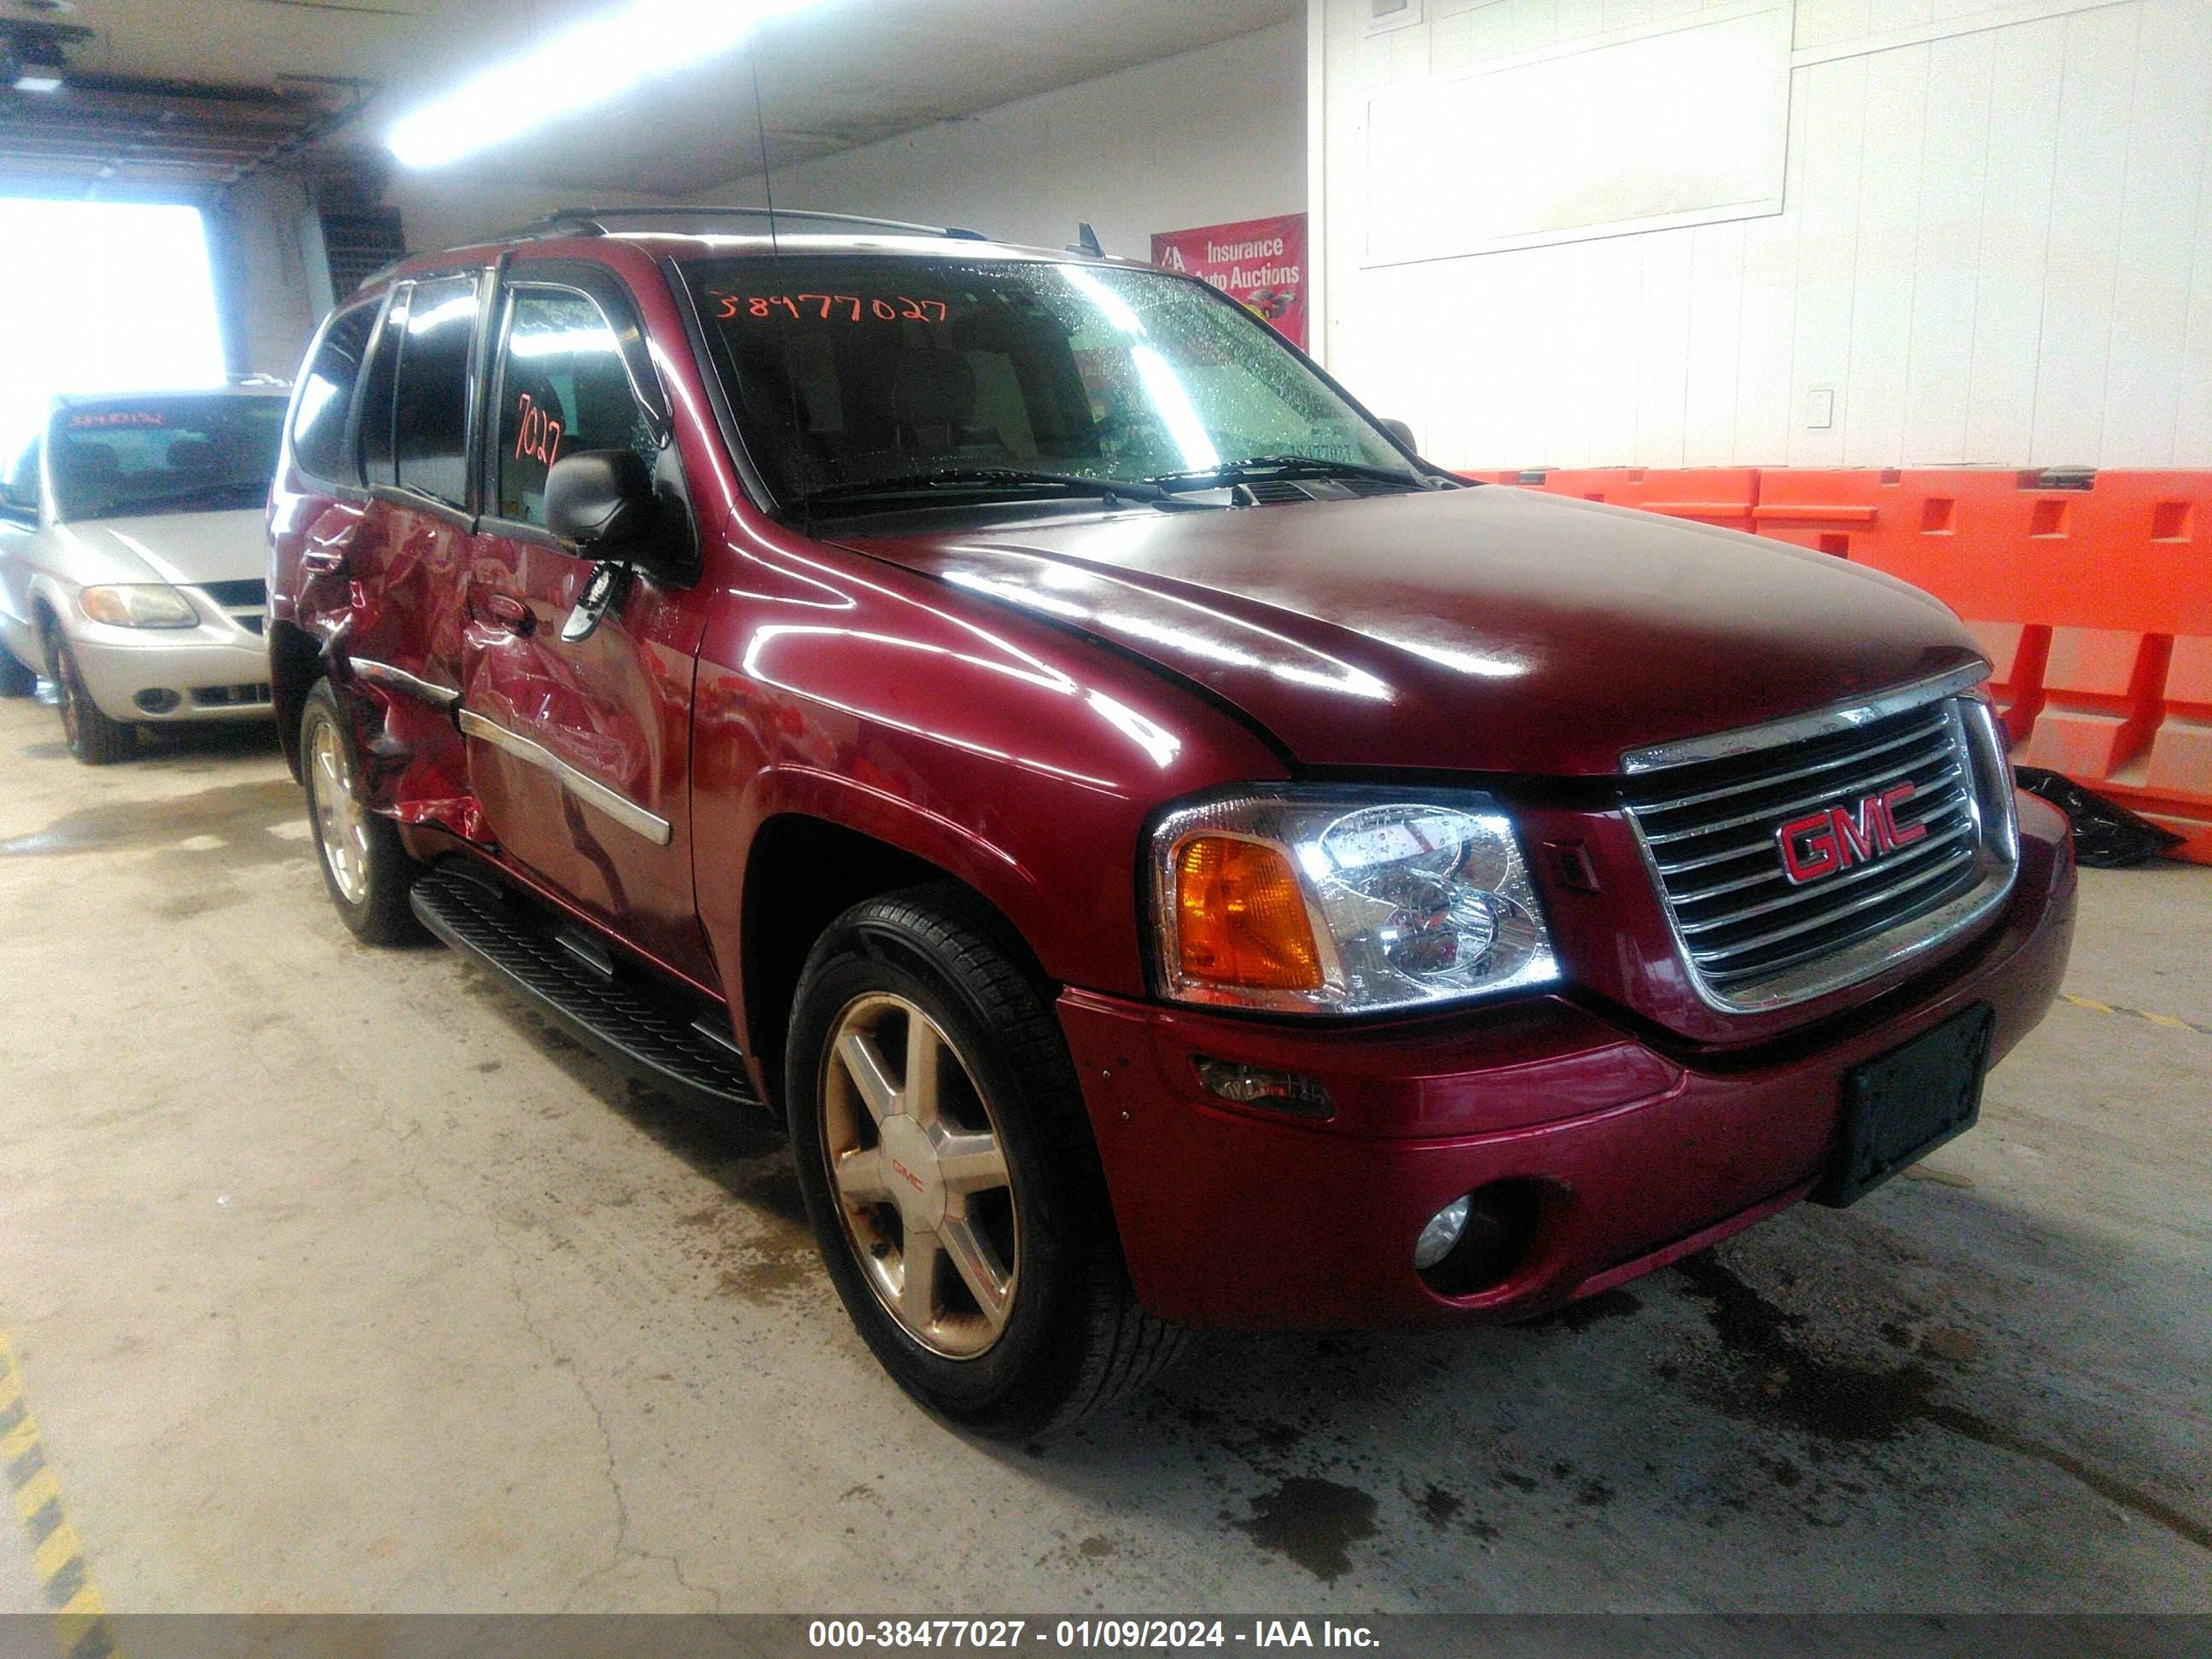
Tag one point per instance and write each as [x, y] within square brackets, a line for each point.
[593, 221]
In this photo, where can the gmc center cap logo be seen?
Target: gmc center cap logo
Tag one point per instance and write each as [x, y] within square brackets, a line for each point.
[1829, 841]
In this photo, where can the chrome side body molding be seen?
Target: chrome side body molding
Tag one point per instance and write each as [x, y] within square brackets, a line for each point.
[383, 673]
[586, 788]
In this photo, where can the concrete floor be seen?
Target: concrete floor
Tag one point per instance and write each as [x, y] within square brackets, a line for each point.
[339, 1282]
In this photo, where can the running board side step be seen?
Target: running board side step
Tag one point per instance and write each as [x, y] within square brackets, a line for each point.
[659, 1037]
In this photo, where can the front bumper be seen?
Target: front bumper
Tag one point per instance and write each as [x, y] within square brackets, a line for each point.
[216, 671]
[1645, 1150]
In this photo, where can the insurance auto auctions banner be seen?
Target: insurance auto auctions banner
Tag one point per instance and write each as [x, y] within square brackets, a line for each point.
[1259, 262]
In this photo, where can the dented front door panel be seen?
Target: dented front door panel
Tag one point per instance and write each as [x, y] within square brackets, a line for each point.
[581, 751]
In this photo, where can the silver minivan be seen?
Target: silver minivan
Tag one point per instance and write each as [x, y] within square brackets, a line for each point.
[133, 565]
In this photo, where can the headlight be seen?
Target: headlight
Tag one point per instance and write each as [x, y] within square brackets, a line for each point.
[1343, 900]
[147, 605]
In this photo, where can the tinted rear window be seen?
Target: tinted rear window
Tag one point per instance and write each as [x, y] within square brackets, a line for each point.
[326, 397]
[379, 380]
[430, 418]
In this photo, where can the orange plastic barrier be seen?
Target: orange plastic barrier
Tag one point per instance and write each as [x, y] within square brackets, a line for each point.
[1721, 495]
[2091, 593]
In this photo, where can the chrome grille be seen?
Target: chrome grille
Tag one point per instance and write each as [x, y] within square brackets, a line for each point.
[1755, 938]
[245, 602]
[249, 593]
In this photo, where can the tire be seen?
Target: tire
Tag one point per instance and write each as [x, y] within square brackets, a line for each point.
[15, 680]
[93, 738]
[365, 869]
[1071, 1338]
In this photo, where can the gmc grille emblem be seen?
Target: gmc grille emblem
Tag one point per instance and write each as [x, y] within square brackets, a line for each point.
[1829, 841]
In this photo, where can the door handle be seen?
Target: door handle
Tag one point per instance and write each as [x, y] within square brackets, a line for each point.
[325, 552]
[605, 589]
[505, 611]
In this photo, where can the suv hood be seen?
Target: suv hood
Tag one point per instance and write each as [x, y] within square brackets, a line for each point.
[1486, 629]
[181, 548]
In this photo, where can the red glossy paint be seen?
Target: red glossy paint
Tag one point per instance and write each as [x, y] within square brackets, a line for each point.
[1464, 630]
[1011, 706]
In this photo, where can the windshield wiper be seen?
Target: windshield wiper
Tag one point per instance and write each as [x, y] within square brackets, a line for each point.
[1283, 467]
[133, 504]
[986, 480]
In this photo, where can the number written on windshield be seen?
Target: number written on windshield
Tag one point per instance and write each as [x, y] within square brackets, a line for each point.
[830, 307]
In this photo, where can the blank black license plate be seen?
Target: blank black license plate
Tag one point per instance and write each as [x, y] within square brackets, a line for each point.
[1899, 1109]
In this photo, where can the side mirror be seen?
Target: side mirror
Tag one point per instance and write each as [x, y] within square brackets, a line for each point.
[600, 502]
[1404, 434]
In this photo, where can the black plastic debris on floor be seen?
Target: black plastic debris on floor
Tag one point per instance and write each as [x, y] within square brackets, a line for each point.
[2106, 836]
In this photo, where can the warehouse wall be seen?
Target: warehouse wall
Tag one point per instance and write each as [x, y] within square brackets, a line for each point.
[1215, 134]
[263, 286]
[1212, 134]
[264, 249]
[447, 209]
[1994, 241]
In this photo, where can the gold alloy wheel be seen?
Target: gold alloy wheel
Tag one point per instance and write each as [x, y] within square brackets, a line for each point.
[920, 1175]
[340, 824]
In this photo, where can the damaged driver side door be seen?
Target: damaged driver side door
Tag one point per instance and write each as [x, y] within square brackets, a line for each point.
[579, 738]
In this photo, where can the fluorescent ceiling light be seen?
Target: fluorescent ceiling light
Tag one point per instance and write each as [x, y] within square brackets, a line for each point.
[588, 65]
[32, 80]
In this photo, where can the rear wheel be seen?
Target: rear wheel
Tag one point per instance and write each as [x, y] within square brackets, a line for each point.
[15, 680]
[366, 869]
[93, 738]
[949, 1175]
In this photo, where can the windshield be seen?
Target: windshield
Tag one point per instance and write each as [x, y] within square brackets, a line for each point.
[163, 455]
[852, 372]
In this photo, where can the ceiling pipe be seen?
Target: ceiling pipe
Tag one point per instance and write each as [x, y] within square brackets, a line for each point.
[360, 93]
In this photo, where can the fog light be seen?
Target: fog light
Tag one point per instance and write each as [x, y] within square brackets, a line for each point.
[157, 702]
[1477, 1243]
[1443, 1231]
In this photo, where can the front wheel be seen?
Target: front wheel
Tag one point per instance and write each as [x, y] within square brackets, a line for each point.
[366, 869]
[950, 1173]
[93, 738]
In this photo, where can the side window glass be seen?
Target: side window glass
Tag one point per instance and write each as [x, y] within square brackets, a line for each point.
[20, 486]
[562, 388]
[379, 385]
[319, 423]
[430, 414]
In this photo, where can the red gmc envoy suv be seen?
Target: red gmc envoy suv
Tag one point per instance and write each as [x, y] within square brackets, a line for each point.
[1172, 856]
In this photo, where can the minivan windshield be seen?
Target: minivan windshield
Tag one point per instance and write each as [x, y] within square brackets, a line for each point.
[871, 380]
[172, 454]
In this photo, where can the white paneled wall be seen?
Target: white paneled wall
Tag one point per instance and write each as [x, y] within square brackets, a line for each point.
[1994, 247]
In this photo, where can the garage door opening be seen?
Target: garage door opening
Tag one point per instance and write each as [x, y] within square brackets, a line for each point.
[101, 296]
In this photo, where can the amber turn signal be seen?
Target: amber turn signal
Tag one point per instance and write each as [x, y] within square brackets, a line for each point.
[1241, 918]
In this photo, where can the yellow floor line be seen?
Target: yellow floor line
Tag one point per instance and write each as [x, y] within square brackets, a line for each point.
[2173, 1022]
[56, 1552]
